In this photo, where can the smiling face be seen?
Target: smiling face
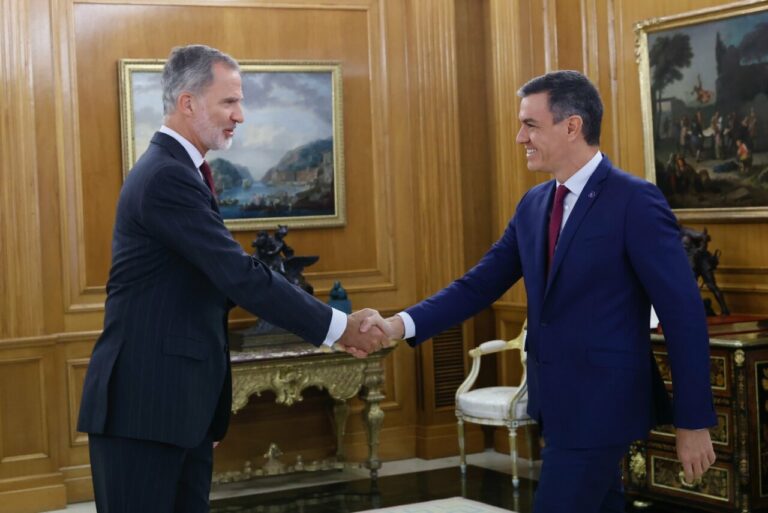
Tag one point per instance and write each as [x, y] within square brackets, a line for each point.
[546, 142]
[218, 110]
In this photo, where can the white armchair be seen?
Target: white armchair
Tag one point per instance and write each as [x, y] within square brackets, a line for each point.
[494, 406]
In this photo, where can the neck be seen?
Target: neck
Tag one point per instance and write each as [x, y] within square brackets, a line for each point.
[575, 161]
[186, 132]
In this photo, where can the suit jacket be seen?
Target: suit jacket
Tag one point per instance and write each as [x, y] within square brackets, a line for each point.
[160, 369]
[590, 375]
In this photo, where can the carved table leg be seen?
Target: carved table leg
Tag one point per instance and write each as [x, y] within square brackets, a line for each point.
[340, 411]
[373, 414]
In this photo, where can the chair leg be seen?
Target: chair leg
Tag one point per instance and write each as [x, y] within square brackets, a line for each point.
[529, 440]
[462, 455]
[513, 455]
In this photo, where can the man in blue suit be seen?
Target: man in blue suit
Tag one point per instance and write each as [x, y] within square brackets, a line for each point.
[595, 248]
[157, 394]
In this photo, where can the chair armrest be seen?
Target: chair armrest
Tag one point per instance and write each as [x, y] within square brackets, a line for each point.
[492, 346]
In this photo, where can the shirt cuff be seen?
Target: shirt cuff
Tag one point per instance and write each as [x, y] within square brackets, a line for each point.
[408, 324]
[337, 327]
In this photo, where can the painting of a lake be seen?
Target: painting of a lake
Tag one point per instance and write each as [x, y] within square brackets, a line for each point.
[285, 164]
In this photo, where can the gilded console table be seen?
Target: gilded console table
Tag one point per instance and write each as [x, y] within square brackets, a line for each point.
[289, 369]
[738, 481]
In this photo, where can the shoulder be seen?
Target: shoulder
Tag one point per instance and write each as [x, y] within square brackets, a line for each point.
[537, 194]
[621, 180]
[160, 172]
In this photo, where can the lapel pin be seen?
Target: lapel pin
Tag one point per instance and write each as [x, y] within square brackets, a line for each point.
[591, 194]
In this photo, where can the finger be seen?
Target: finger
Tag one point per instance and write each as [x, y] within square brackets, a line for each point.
[354, 351]
[711, 457]
[366, 324]
[688, 470]
[698, 469]
[372, 321]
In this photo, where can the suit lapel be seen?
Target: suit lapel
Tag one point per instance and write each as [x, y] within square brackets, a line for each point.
[179, 153]
[586, 199]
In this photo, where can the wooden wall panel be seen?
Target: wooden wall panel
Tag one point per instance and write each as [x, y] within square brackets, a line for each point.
[20, 251]
[29, 416]
[23, 431]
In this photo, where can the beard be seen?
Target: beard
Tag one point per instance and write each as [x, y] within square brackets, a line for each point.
[210, 135]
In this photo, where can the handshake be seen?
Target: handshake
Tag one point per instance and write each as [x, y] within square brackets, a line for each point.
[367, 331]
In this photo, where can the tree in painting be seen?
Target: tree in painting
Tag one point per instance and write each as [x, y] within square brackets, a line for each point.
[669, 54]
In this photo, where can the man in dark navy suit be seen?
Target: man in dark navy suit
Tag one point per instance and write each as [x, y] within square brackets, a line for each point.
[157, 394]
[595, 247]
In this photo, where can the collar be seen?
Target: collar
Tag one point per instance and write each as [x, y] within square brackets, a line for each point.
[194, 154]
[578, 180]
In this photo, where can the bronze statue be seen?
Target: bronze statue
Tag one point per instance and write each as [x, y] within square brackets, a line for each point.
[703, 262]
[279, 257]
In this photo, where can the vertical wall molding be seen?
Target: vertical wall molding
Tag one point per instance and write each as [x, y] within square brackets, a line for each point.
[21, 286]
[549, 19]
[436, 177]
[505, 75]
[437, 172]
[589, 44]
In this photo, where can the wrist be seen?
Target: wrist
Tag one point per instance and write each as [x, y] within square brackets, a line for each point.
[399, 326]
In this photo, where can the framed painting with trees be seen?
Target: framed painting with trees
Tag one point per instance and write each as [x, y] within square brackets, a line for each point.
[704, 94]
[286, 162]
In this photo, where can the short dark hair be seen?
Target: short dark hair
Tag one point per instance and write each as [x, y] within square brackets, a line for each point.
[570, 94]
[190, 68]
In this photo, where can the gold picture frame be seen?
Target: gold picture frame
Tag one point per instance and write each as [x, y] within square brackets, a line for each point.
[699, 107]
[286, 163]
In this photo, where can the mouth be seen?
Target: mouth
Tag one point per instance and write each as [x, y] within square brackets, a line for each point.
[229, 132]
[529, 152]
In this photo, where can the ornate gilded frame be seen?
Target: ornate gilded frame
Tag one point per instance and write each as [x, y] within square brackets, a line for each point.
[128, 70]
[671, 23]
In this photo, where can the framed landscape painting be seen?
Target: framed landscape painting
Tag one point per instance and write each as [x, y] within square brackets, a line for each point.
[286, 162]
[704, 92]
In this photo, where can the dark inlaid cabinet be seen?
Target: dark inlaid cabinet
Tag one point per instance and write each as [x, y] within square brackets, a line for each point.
[738, 481]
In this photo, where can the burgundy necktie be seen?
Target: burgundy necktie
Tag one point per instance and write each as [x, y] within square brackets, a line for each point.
[555, 220]
[206, 170]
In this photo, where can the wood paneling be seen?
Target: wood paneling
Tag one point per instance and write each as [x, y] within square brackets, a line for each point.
[23, 430]
[29, 416]
[20, 251]
[433, 177]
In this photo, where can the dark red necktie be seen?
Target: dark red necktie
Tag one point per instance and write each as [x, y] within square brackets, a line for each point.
[206, 170]
[555, 220]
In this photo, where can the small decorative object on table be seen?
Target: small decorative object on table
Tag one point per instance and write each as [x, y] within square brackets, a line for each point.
[703, 263]
[339, 299]
[278, 256]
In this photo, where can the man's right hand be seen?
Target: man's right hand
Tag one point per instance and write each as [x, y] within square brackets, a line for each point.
[358, 343]
[393, 327]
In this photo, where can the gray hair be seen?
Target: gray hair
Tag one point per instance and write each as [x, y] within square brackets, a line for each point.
[190, 68]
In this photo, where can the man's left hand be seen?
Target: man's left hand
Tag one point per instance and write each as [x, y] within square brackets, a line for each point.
[695, 452]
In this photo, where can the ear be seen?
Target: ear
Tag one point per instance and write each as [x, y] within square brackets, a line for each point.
[185, 104]
[574, 126]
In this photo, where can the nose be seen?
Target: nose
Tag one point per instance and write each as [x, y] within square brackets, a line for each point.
[522, 135]
[237, 114]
